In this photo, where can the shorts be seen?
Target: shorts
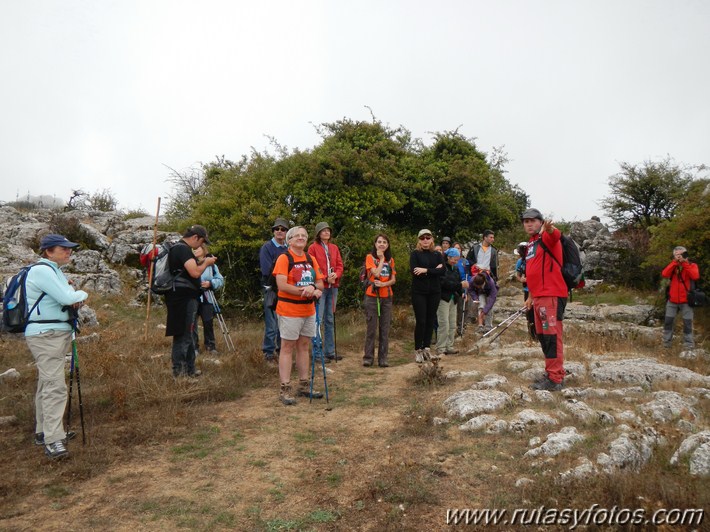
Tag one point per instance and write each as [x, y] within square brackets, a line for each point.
[293, 328]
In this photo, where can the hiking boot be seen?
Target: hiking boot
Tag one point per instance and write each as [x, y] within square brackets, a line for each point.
[547, 384]
[212, 351]
[286, 394]
[451, 352]
[39, 437]
[383, 364]
[333, 357]
[56, 450]
[304, 390]
[419, 356]
[367, 363]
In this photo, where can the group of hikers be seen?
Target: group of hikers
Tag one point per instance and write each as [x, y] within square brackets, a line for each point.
[447, 291]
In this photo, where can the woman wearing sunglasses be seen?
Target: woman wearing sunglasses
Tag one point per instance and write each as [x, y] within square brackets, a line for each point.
[427, 267]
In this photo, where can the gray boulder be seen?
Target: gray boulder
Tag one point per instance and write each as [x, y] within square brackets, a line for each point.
[557, 443]
[474, 402]
[667, 406]
[631, 450]
[643, 371]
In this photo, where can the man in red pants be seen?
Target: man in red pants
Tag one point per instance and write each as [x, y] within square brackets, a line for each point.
[548, 293]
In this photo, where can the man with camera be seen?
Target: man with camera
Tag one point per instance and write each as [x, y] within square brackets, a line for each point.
[682, 274]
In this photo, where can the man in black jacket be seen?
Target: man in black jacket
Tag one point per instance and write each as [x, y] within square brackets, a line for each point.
[181, 302]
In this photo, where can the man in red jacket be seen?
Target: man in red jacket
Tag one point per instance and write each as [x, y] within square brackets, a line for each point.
[548, 293]
[682, 274]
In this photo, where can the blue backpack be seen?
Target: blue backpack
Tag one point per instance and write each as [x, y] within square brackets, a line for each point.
[15, 315]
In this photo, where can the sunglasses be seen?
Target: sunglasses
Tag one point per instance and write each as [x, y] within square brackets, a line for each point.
[425, 237]
[280, 229]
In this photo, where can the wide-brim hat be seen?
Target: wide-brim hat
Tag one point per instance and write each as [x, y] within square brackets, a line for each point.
[320, 226]
[280, 222]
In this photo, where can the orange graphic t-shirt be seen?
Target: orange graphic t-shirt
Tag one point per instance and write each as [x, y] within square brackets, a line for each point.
[302, 274]
[385, 275]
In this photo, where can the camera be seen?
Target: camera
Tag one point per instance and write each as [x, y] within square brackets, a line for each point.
[684, 254]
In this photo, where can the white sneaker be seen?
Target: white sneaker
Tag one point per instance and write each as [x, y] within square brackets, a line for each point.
[427, 354]
[418, 356]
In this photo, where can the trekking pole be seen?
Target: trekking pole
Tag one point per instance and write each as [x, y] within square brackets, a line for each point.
[317, 341]
[211, 298]
[510, 321]
[74, 370]
[463, 314]
[151, 268]
[335, 331]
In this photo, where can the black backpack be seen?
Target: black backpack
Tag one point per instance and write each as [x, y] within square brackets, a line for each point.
[15, 314]
[272, 288]
[572, 266]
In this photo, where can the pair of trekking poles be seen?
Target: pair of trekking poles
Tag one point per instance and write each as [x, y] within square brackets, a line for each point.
[74, 371]
[506, 323]
[211, 298]
[317, 352]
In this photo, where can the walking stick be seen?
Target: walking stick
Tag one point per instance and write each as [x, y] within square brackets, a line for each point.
[74, 369]
[220, 320]
[463, 314]
[150, 270]
[317, 351]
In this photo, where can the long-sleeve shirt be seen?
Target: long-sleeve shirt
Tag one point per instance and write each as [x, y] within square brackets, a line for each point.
[331, 259]
[544, 273]
[215, 279]
[688, 271]
[490, 290]
[267, 257]
[427, 283]
[58, 293]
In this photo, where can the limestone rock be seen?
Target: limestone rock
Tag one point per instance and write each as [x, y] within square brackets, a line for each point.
[644, 371]
[475, 402]
[556, 443]
[631, 450]
[667, 406]
[489, 382]
[696, 444]
[478, 423]
[529, 418]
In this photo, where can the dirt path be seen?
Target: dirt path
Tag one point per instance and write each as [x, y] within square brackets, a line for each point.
[253, 464]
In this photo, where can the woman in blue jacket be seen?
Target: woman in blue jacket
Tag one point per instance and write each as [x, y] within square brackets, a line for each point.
[210, 281]
[49, 335]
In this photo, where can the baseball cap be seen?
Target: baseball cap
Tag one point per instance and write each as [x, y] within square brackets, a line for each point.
[49, 241]
[198, 230]
[532, 214]
[424, 232]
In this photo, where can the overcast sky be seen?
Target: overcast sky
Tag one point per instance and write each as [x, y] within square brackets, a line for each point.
[103, 94]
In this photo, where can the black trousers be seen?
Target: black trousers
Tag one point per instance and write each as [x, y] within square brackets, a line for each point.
[425, 307]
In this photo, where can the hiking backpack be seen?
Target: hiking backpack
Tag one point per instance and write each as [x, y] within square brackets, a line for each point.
[163, 279]
[365, 275]
[572, 264]
[15, 315]
[272, 288]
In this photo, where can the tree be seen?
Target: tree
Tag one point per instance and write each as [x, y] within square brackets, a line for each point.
[690, 228]
[644, 195]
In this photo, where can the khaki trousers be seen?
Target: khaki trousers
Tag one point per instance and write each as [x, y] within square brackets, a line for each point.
[49, 350]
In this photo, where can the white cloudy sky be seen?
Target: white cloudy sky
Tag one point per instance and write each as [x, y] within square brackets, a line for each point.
[103, 94]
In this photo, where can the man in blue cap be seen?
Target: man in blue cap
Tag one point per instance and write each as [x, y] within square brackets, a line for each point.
[48, 335]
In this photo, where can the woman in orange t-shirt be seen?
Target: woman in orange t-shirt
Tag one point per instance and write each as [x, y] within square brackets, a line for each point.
[300, 283]
[378, 300]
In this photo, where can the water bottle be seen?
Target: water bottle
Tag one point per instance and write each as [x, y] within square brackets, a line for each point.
[11, 304]
[543, 318]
